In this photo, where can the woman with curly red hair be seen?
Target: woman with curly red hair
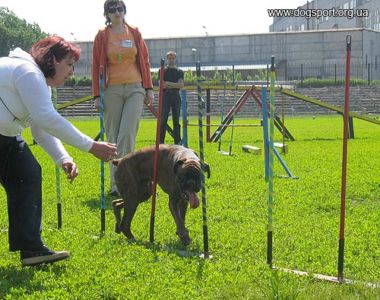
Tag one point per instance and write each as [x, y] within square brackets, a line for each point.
[25, 100]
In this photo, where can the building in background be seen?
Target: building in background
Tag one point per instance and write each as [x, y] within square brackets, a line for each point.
[299, 54]
[313, 47]
[372, 21]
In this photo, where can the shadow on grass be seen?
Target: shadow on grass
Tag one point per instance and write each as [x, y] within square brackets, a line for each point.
[319, 139]
[94, 204]
[173, 247]
[14, 278]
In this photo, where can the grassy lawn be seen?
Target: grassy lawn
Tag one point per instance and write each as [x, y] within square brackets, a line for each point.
[306, 225]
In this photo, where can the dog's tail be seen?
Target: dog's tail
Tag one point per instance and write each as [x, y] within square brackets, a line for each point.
[116, 162]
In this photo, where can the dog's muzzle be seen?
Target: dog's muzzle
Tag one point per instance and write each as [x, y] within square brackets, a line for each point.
[192, 198]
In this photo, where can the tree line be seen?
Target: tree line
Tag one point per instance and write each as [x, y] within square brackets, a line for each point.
[16, 32]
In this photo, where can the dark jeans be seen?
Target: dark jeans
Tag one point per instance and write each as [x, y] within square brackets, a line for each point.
[20, 175]
[171, 100]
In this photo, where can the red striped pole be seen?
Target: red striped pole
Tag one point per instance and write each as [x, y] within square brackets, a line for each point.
[344, 160]
[156, 152]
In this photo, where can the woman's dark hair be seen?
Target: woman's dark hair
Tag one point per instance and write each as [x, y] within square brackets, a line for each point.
[110, 3]
[44, 51]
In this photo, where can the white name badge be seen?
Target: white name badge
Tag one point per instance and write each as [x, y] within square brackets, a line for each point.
[127, 44]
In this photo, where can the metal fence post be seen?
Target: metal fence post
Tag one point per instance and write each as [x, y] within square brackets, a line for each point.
[233, 74]
[369, 73]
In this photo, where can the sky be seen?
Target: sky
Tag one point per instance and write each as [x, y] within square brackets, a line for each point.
[80, 20]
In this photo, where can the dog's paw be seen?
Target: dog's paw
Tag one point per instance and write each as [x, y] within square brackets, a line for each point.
[185, 240]
[128, 235]
[117, 228]
[184, 237]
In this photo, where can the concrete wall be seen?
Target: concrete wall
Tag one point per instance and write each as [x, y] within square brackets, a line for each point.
[319, 48]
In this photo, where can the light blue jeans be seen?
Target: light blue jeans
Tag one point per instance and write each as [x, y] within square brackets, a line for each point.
[123, 105]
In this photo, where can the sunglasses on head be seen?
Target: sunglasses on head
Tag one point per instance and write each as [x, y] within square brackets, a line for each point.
[112, 10]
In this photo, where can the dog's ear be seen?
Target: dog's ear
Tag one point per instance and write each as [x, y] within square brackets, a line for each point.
[178, 164]
[116, 162]
[206, 168]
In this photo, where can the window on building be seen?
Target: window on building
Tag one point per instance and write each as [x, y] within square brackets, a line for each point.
[302, 27]
[346, 5]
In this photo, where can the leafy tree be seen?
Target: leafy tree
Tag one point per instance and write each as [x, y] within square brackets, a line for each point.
[261, 75]
[189, 76]
[16, 32]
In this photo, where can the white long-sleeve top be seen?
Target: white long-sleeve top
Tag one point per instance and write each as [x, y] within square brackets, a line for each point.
[25, 100]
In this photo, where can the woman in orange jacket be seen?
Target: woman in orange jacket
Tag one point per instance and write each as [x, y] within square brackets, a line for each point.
[120, 51]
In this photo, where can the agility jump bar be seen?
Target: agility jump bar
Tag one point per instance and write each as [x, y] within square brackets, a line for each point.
[277, 120]
[229, 125]
[228, 119]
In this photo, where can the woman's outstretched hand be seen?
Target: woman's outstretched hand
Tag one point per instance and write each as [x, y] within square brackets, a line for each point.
[103, 150]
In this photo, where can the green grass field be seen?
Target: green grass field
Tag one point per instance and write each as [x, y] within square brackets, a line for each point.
[306, 225]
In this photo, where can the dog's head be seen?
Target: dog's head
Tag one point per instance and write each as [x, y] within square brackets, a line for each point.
[188, 177]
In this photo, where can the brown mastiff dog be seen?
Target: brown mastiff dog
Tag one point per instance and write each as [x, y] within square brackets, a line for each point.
[179, 175]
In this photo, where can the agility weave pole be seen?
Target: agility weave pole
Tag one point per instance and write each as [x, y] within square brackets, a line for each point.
[339, 278]
[58, 191]
[283, 125]
[101, 137]
[206, 253]
[156, 152]
[270, 157]
[344, 160]
[58, 181]
[208, 114]
[265, 131]
[267, 146]
[184, 140]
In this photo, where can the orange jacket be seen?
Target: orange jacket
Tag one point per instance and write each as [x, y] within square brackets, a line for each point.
[99, 58]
